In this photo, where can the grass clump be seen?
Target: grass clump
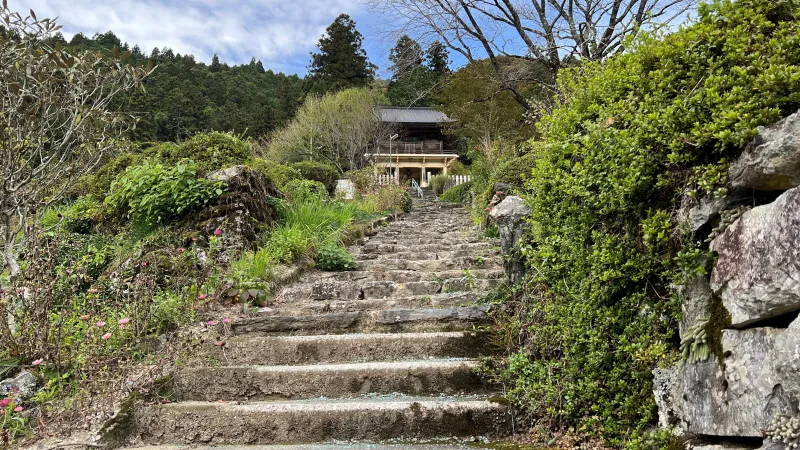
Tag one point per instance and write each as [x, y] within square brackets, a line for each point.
[458, 194]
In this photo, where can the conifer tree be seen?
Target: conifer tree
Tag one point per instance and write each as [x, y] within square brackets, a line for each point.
[341, 62]
[438, 59]
[405, 56]
[215, 65]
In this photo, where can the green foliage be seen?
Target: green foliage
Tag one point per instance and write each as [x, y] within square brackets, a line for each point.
[318, 171]
[77, 217]
[458, 194]
[514, 171]
[213, 151]
[341, 62]
[183, 97]
[154, 194]
[614, 159]
[304, 191]
[279, 174]
[332, 256]
[170, 310]
[390, 198]
[437, 183]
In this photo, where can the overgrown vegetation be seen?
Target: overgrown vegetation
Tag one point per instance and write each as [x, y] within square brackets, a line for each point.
[628, 139]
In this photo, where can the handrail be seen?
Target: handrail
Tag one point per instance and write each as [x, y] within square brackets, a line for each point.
[415, 187]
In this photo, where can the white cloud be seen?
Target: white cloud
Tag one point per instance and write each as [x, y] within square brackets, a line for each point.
[278, 32]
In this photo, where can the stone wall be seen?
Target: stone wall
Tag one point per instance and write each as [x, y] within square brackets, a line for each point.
[754, 377]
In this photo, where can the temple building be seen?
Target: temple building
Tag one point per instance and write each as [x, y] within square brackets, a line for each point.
[420, 149]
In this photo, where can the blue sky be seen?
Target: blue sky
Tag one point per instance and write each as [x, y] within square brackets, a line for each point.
[280, 33]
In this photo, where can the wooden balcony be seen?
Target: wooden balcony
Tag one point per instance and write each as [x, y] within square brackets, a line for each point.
[429, 147]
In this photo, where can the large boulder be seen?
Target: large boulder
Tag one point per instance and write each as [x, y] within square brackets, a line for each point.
[756, 381]
[510, 216]
[772, 161]
[757, 274]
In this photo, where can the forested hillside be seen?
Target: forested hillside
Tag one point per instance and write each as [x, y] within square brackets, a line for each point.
[183, 96]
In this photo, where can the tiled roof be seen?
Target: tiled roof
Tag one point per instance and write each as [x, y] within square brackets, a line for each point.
[397, 114]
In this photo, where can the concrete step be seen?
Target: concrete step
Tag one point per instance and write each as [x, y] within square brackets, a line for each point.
[388, 320]
[257, 383]
[325, 290]
[344, 348]
[320, 420]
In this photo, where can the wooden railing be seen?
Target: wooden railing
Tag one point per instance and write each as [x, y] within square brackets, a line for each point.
[412, 148]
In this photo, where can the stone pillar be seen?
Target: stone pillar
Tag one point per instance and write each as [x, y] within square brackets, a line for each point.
[510, 216]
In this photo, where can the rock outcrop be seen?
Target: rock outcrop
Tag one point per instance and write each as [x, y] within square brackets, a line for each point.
[20, 387]
[772, 161]
[757, 274]
[741, 396]
[510, 216]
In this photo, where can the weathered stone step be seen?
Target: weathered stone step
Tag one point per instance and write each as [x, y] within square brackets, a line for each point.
[404, 276]
[400, 319]
[406, 262]
[320, 420]
[443, 300]
[453, 238]
[365, 290]
[444, 246]
[342, 348]
[438, 445]
[256, 383]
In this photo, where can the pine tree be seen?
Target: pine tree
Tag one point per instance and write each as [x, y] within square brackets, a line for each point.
[438, 59]
[215, 65]
[341, 62]
[405, 56]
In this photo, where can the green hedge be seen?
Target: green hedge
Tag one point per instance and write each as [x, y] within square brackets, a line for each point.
[458, 194]
[614, 157]
[318, 171]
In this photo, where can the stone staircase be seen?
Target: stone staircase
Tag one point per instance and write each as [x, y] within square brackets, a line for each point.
[382, 354]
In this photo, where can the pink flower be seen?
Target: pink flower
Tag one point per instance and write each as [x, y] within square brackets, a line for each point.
[106, 336]
[101, 324]
[226, 320]
[5, 402]
[211, 323]
[217, 232]
[18, 409]
[202, 297]
[37, 362]
[181, 250]
[144, 263]
[93, 291]
[124, 321]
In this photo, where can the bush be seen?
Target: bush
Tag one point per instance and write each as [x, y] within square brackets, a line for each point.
[438, 182]
[458, 194]
[304, 191]
[79, 217]
[318, 171]
[153, 194]
[610, 168]
[391, 198]
[514, 171]
[332, 256]
[211, 151]
[97, 184]
[279, 174]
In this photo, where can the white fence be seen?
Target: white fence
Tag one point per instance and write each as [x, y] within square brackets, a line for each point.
[456, 180]
[386, 179]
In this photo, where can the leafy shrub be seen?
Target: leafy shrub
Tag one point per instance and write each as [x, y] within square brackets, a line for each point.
[363, 180]
[279, 174]
[318, 171]
[169, 310]
[303, 191]
[391, 198]
[154, 194]
[458, 194]
[437, 183]
[77, 217]
[514, 171]
[332, 256]
[614, 158]
[97, 184]
[212, 151]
